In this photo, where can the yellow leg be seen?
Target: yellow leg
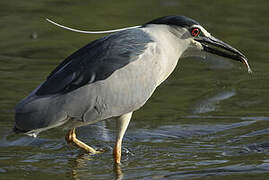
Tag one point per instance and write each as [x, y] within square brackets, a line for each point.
[71, 138]
[117, 152]
[122, 124]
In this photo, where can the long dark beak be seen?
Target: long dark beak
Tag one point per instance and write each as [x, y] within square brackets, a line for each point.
[218, 47]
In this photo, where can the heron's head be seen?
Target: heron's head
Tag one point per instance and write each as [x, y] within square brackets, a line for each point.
[198, 38]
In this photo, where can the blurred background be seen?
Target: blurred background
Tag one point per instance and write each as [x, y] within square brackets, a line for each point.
[209, 120]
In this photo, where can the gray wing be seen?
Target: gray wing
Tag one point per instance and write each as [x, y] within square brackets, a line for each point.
[96, 61]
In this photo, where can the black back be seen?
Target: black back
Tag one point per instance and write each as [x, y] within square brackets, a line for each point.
[181, 21]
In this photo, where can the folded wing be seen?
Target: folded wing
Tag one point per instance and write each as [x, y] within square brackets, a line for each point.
[96, 61]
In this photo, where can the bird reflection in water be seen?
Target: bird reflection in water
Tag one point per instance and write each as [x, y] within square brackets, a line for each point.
[81, 162]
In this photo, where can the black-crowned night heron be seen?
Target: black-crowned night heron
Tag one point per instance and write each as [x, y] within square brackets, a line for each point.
[113, 76]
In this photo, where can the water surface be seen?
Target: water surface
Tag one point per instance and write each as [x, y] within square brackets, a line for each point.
[209, 120]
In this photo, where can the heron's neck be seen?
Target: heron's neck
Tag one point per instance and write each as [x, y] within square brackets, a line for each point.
[168, 48]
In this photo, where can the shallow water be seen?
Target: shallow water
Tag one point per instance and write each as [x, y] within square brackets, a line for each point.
[209, 120]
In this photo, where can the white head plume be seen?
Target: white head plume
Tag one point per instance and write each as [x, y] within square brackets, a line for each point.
[91, 32]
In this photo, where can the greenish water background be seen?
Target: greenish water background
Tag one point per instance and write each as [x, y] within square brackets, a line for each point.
[209, 120]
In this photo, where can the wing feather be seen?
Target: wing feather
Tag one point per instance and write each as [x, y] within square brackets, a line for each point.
[96, 61]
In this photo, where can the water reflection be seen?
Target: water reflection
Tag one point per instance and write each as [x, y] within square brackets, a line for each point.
[80, 162]
[80, 165]
[209, 104]
[8, 139]
[118, 172]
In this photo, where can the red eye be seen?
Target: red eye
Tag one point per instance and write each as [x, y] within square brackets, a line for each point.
[195, 32]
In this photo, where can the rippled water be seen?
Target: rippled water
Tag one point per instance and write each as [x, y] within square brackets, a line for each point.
[209, 120]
